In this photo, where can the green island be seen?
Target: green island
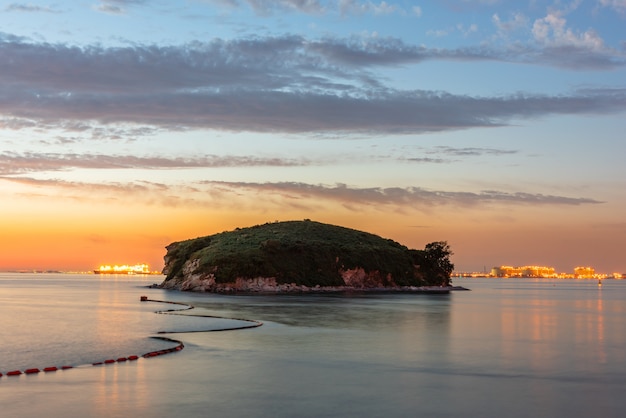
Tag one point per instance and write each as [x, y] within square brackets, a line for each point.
[304, 256]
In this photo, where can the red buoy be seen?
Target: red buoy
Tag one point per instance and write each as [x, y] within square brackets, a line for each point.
[66, 367]
[109, 361]
[133, 357]
[31, 371]
[14, 373]
[50, 369]
[122, 359]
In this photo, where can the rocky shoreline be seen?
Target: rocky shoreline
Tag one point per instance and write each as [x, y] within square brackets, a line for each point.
[262, 285]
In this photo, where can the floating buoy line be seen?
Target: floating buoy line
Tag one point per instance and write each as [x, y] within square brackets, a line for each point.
[178, 347]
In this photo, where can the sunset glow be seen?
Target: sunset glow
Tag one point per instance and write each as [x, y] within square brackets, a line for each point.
[498, 127]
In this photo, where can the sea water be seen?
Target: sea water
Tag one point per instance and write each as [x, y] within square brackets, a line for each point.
[508, 347]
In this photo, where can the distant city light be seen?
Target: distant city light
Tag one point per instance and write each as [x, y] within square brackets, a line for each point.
[124, 269]
[543, 272]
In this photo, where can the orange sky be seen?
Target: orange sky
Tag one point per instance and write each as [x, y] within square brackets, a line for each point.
[496, 126]
[61, 233]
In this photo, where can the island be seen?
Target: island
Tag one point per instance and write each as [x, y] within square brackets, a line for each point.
[304, 256]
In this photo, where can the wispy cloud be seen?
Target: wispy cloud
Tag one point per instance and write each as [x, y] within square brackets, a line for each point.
[304, 195]
[617, 5]
[18, 164]
[426, 160]
[71, 131]
[272, 84]
[443, 153]
[15, 164]
[264, 8]
[409, 196]
[356, 7]
[313, 7]
[29, 8]
[470, 151]
[116, 7]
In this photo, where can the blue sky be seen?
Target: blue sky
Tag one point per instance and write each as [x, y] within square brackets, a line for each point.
[495, 125]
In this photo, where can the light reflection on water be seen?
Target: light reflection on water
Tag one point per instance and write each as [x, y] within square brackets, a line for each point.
[513, 347]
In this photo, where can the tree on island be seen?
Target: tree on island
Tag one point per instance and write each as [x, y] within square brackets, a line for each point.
[437, 260]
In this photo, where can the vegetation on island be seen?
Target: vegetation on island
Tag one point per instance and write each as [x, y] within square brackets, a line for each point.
[307, 253]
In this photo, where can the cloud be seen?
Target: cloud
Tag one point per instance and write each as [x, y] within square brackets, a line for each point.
[110, 9]
[426, 160]
[29, 8]
[267, 7]
[19, 164]
[563, 46]
[473, 28]
[313, 7]
[617, 5]
[355, 7]
[116, 7]
[294, 194]
[76, 131]
[14, 164]
[268, 111]
[81, 187]
[447, 151]
[471, 151]
[271, 84]
[505, 27]
[554, 43]
[397, 196]
[552, 30]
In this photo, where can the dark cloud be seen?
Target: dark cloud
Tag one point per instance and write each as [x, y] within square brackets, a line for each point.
[273, 84]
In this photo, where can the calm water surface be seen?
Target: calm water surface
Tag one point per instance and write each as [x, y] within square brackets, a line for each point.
[509, 347]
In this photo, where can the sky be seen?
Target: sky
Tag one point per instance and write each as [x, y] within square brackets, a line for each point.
[497, 126]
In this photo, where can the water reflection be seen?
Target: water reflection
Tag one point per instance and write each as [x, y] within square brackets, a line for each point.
[337, 311]
[366, 331]
[601, 340]
[114, 394]
[550, 328]
[590, 329]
